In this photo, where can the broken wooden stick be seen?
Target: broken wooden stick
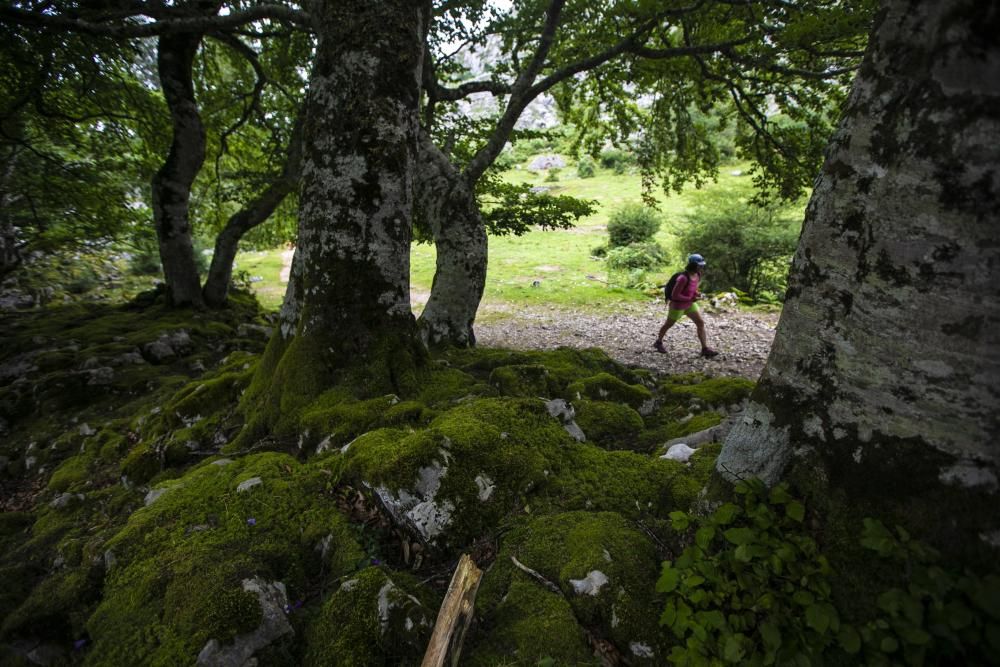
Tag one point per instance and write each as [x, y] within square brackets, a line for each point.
[454, 615]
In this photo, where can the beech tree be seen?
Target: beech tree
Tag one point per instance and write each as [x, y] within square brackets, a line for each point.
[596, 60]
[881, 386]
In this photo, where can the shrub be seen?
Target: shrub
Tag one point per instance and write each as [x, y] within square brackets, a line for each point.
[748, 247]
[632, 223]
[635, 256]
[585, 167]
[553, 175]
[616, 159]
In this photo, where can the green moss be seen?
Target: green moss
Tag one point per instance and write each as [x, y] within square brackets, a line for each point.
[589, 477]
[524, 380]
[697, 423]
[71, 473]
[605, 568]
[610, 425]
[337, 421]
[606, 387]
[407, 412]
[376, 617]
[492, 450]
[443, 387]
[58, 607]
[528, 625]
[719, 391]
[180, 561]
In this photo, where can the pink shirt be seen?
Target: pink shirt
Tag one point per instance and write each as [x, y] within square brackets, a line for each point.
[684, 292]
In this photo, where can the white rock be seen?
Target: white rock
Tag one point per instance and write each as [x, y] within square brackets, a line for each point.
[641, 650]
[679, 452]
[248, 484]
[591, 584]
[486, 487]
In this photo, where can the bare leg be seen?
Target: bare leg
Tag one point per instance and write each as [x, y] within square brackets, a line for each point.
[663, 330]
[700, 325]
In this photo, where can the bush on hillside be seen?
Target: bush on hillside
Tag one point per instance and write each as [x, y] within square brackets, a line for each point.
[632, 223]
[585, 167]
[635, 256]
[748, 247]
[617, 159]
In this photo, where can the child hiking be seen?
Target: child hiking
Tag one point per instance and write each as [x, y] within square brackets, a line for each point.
[683, 299]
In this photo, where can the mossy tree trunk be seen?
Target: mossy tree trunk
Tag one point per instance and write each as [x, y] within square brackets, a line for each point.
[220, 273]
[172, 182]
[884, 376]
[347, 307]
[448, 202]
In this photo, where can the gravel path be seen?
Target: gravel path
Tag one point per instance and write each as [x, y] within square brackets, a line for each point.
[742, 339]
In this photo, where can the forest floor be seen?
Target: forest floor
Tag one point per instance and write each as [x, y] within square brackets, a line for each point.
[743, 339]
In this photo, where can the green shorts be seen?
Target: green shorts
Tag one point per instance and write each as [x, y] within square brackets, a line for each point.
[675, 314]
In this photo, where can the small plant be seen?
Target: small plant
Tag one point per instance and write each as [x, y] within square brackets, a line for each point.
[752, 588]
[635, 256]
[585, 167]
[616, 159]
[552, 175]
[939, 617]
[633, 223]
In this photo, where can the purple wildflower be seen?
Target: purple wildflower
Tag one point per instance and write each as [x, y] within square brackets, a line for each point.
[79, 644]
[251, 521]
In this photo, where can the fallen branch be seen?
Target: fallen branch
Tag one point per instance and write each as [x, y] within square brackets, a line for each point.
[454, 615]
[535, 575]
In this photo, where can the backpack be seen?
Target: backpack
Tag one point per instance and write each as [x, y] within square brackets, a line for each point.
[668, 289]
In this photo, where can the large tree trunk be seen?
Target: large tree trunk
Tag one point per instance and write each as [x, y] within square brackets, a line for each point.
[10, 248]
[220, 273]
[172, 183]
[347, 308]
[449, 204]
[884, 376]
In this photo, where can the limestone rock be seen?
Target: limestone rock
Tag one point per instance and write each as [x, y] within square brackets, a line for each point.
[273, 600]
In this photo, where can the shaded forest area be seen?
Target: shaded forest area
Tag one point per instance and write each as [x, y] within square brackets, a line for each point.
[189, 479]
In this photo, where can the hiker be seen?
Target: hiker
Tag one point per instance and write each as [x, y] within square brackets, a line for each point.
[683, 299]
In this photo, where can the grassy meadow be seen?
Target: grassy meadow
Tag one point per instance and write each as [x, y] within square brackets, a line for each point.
[559, 261]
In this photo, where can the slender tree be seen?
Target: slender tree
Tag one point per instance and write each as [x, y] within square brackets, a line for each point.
[882, 383]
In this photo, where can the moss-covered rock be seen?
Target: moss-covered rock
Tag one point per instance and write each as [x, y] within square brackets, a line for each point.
[525, 380]
[182, 563]
[455, 480]
[605, 569]
[610, 425]
[607, 387]
[709, 392]
[528, 625]
[376, 617]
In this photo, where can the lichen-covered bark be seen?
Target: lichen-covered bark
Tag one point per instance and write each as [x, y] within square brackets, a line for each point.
[172, 183]
[886, 365]
[220, 273]
[448, 202]
[348, 303]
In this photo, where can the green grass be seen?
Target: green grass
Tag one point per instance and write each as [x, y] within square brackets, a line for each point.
[560, 261]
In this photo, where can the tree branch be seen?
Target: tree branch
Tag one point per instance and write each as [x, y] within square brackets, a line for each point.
[195, 24]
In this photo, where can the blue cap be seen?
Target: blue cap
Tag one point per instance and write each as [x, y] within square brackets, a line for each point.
[696, 259]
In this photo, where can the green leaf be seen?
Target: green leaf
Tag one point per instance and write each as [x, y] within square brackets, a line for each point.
[703, 537]
[668, 580]
[679, 520]
[779, 495]
[725, 514]
[889, 645]
[817, 618]
[771, 635]
[739, 536]
[849, 639]
[803, 598]
[742, 554]
[795, 510]
[733, 651]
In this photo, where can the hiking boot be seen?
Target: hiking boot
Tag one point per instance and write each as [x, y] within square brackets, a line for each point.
[708, 353]
[658, 346]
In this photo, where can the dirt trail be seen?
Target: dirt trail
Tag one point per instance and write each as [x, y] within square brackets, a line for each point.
[742, 339]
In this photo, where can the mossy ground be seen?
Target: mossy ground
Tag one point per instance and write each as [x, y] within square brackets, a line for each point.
[128, 537]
